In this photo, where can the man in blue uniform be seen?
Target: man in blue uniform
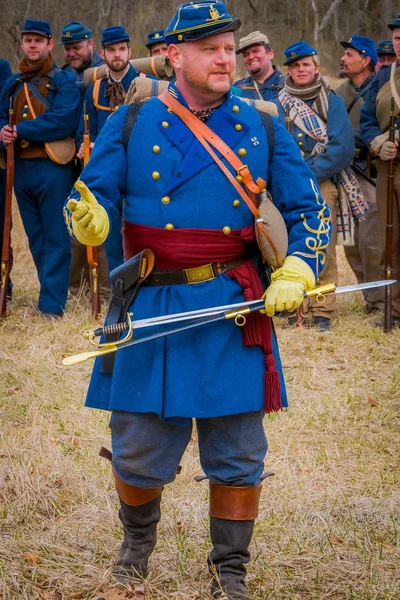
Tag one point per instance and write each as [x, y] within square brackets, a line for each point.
[265, 81]
[319, 123]
[5, 73]
[79, 52]
[386, 54]
[156, 43]
[374, 124]
[46, 109]
[102, 98]
[179, 203]
[358, 65]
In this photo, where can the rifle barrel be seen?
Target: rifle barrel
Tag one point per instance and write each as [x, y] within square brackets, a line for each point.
[389, 226]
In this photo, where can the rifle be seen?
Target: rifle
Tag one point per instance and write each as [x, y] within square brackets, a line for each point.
[91, 251]
[389, 226]
[5, 252]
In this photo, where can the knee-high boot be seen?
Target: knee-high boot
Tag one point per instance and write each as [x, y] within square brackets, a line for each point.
[139, 515]
[232, 514]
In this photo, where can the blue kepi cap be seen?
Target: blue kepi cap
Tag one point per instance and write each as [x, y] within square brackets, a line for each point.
[34, 26]
[195, 20]
[396, 23]
[363, 45]
[385, 47]
[155, 37]
[75, 32]
[112, 35]
[297, 51]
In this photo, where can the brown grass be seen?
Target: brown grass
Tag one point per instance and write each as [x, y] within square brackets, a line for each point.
[329, 524]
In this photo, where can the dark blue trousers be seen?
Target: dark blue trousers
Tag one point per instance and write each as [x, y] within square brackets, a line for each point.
[147, 450]
[41, 188]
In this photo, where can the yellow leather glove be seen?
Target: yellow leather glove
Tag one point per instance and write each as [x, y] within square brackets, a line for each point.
[90, 221]
[288, 286]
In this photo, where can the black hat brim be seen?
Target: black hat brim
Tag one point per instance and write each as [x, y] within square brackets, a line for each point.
[292, 60]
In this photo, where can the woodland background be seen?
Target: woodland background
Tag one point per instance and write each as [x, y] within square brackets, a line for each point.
[323, 23]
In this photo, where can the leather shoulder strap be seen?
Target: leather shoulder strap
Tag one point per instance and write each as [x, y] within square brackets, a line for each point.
[95, 97]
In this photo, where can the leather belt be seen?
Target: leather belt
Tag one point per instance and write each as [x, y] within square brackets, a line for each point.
[194, 275]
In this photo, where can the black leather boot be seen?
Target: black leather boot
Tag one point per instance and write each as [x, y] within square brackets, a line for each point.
[233, 511]
[227, 560]
[140, 536]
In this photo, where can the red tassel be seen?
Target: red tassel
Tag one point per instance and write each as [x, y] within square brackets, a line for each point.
[272, 396]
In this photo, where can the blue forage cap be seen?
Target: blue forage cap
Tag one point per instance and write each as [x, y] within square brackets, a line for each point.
[112, 35]
[396, 23]
[196, 20]
[34, 26]
[297, 51]
[155, 37]
[75, 32]
[363, 45]
[385, 47]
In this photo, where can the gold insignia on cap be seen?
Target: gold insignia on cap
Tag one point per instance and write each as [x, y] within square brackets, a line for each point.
[293, 54]
[68, 34]
[156, 36]
[214, 14]
[180, 37]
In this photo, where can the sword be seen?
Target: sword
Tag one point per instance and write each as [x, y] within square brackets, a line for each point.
[197, 318]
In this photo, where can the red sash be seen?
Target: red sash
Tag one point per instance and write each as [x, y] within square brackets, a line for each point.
[188, 248]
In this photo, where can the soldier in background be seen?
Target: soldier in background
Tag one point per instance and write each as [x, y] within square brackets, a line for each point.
[79, 51]
[374, 125]
[322, 130]
[358, 65]
[265, 81]
[386, 54]
[156, 43]
[46, 109]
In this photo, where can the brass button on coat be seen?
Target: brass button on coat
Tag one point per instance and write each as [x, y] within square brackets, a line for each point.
[299, 135]
[239, 178]
[226, 230]
[155, 175]
[165, 124]
[242, 151]
[236, 203]
[238, 127]
[300, 143]
[169, 226]
[156, 149]
[166, 200]
[235, 109]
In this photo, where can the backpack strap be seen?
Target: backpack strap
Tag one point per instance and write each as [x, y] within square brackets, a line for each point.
[95, 97]
[270, 131]
[129, 123]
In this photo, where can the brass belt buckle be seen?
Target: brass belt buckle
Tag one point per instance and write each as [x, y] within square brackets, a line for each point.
[200, 274]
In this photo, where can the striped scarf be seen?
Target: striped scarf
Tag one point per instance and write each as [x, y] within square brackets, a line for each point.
[351, 203]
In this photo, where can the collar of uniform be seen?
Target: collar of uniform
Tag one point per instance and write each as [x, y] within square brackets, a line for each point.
[272, 79]
[195, 158]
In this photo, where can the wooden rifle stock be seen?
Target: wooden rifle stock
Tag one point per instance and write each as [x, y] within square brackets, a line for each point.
[389, 227]
[91, 251]
[5, 251]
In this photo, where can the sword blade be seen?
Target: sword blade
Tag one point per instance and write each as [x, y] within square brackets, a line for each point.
[215, 310]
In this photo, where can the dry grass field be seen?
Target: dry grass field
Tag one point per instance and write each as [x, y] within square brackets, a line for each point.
[329, 526]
